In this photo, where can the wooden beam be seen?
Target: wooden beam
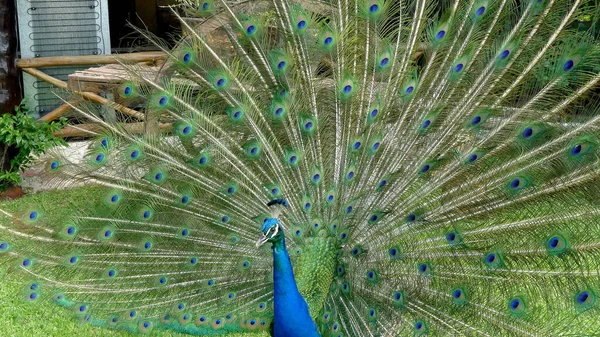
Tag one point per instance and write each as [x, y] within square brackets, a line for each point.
[87, 95]
[46, 78]
[90, 59]
[56, 113]
[91, 129]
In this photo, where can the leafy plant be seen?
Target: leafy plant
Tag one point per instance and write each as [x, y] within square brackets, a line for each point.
[28, 137]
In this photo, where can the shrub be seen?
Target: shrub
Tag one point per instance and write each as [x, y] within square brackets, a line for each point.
[28, 137]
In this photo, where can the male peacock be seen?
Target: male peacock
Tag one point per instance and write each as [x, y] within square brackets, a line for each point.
[433, 166]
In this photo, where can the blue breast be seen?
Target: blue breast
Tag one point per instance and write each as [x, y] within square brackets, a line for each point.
[291, 311]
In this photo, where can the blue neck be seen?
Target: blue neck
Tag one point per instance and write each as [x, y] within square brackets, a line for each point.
[291, 311]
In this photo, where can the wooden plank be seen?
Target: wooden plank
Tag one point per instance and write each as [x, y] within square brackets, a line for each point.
[107, 78]
[92, 86]
[90, 59]
[87, 95]
[111, 74]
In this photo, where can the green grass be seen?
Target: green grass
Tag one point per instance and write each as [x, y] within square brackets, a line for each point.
[18, 318]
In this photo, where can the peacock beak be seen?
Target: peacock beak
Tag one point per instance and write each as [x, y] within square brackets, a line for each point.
[262, 240]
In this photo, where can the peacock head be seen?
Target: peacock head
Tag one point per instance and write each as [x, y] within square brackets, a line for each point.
[272, 232]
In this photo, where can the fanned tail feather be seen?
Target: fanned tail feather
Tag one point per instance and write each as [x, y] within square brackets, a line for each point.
[440, 161]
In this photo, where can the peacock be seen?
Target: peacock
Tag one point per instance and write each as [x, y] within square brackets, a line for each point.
[339, 168]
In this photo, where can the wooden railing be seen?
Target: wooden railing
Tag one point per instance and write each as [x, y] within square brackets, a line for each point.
[30, 66]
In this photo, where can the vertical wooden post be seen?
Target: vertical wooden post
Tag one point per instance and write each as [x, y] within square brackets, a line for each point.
[146, 11]
[10, 84]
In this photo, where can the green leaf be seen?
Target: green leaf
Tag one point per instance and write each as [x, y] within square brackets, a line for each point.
[29, 137]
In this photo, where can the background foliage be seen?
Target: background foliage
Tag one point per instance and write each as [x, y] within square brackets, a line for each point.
[29, 137]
